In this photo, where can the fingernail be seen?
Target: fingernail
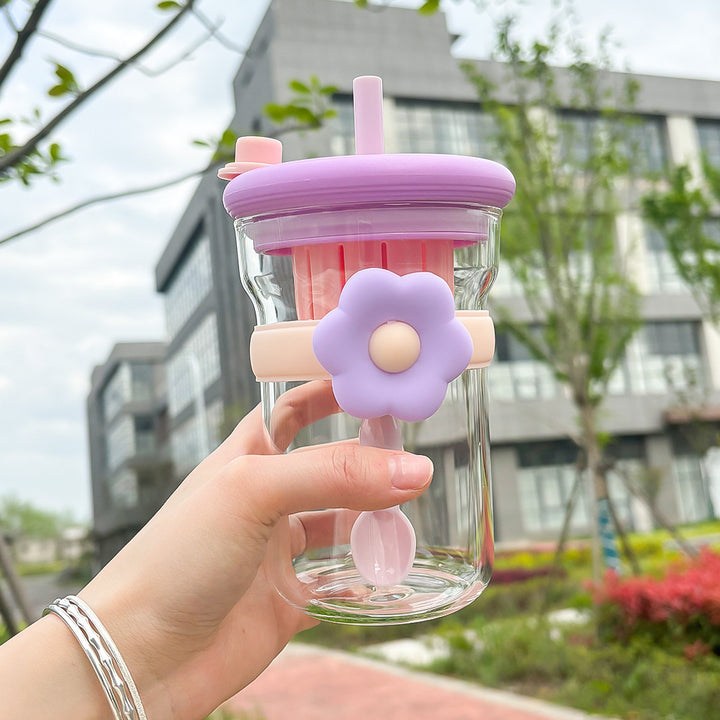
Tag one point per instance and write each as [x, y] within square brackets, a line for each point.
[408, 471]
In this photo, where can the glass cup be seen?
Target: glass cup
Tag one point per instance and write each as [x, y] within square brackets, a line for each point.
[369, 277]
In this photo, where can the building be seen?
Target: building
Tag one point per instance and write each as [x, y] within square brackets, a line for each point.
[431, 107]
[130, 463]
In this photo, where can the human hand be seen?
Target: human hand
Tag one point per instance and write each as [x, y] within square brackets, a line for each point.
[189, 602]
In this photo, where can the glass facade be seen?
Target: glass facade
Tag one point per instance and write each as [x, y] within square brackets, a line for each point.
[189, 287]
[186, 450]
[425, 127]
[662, 275]
[663, 358]
[124, 491]
[640, 139]
[709, 139]
[546, 476]
[692, 472]
[692, 488]
[120, 442]
[204, 353]
[117, 392]
[455, 129]
[517, 375]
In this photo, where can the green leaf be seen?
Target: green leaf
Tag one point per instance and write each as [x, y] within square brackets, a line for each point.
[329, 89]
[330, 113]
[277, 113]
[168, 5]
[5, 121]
[65, 75]
[58, 90]
[201, 143]
[303, 114]
[429, 7]
[298, 86]
[55, 154]
[228, 137]
[361, 3]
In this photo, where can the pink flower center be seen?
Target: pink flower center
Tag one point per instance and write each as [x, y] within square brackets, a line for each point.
[394, 347]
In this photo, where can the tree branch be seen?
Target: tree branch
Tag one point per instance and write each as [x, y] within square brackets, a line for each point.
[213, 29]
[17, 155]
[217, 160]
[23, 37]
[211, 32]
[104, 198]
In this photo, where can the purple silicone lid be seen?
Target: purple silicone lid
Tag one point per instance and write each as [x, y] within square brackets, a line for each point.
[359, 179]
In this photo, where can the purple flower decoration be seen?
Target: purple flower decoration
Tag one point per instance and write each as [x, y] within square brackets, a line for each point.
[393, 344]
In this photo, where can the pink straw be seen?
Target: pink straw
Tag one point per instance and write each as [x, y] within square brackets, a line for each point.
[368, 108]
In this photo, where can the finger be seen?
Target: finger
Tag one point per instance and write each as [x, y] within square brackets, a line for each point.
[299, 408]
[294, 410]
[336, 476]
[320, 529]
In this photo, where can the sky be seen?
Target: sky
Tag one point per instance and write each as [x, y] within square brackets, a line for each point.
[70, 290]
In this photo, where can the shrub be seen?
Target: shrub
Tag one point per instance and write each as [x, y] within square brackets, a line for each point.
[682, 607]
[636, 681]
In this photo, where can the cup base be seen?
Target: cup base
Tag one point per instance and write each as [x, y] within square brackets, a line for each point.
[339, 594]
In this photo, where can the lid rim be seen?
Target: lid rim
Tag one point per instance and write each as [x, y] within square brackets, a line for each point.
[340, 180]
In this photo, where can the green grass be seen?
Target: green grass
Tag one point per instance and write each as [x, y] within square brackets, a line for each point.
[49, 568]
[637, 681]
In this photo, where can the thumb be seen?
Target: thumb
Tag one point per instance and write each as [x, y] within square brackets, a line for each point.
[331, 476]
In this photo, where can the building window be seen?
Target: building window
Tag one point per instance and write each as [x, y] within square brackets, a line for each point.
[663, 358]
[691, 488]
[709, 138]
[343, 126]
[123, 487]
[185, 441]
[667, 358]
[120, 442]
[640, 139]
[455, 129]
[662, 274]
[517, 375]
[190, 285]
[144, 435]
[194, 367]
[690, 472]
[143, 381]
[546, 477]
[117, 392]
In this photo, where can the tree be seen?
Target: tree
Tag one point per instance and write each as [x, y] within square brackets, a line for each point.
[685, 212]
[28, 148]
[559, 234]
[19, 517]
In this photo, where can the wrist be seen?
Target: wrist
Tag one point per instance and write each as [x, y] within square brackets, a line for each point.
[45, 674]
[134, 635]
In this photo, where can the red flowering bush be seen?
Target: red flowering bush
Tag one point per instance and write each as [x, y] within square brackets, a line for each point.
[683, 606]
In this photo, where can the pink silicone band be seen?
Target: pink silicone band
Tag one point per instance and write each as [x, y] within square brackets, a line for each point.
[283, 352]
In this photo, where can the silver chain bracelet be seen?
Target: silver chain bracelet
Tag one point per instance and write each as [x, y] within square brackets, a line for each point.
[103, 655]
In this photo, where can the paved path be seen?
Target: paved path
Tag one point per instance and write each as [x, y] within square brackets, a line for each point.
[309, 683]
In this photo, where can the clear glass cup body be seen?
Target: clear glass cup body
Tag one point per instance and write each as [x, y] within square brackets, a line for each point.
[452, 520]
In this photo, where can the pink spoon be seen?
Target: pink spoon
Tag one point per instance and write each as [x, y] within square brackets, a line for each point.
[382, 542]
